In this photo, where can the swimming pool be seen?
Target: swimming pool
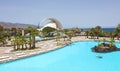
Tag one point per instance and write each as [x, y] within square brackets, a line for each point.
[75, 57]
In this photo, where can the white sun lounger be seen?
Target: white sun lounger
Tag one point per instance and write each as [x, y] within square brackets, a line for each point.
[21, 55]
[5, 58]
[32, 53]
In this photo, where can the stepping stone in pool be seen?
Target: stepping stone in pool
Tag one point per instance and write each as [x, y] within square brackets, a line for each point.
[99, 57]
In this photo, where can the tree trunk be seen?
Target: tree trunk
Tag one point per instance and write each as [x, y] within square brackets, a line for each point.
[97, 37]
[33, 42]
[118, 38]
[113, 38]
[30, 43]
[87, 36]
[22, 46]
[14, 46]
[26, 46]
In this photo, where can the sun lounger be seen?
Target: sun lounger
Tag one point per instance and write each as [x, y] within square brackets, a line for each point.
[5, 58]
[32, 53]
[21, 55]
[2, 57]
[18, 54]
[49, 49]
[40, 51]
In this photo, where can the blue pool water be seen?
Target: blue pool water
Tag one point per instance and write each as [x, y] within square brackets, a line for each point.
[75, 57]
[37, 38]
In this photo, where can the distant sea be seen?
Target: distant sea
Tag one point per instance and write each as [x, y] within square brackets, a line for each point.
[104, 29]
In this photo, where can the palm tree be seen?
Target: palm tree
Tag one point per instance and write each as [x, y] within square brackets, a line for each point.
[7, 33]
[58, 37]
[29, 29]
[2, 39]
[98, 31]
[64, 34]
[2, 35]
[23, 42]
[111, 42]
[112, 35]
[92, 32]
[19, 43]
[16, 43]
[1, 28]
[30, 42]
[14, 31]
[104, 40]
[70, 34]
[75, 30]
[98, 42]
[33, 32]
[87, 33]
[117, 31]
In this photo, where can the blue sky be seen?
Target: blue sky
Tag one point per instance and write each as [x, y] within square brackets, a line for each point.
[71, 13]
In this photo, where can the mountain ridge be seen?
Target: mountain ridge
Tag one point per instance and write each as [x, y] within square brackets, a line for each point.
[15, 25]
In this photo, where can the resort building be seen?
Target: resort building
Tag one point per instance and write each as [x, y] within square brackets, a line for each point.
[53, 23]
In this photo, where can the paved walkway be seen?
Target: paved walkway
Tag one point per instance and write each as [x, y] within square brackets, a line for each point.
[43, 46]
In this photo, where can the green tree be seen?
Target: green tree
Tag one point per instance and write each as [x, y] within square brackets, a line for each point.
[14, 31]
[2, 39]
[98, 30]
[70, 34]
[2, 35]
[17, 43]
[111, 42]
[1, 28]
[112, 35]
[33, 32]
[58, 38]
[75, 31]
[92, 32]
[104, 40]
[23, 42]
[47, 30]
[117, 31]
[87, 33]
[65, 33]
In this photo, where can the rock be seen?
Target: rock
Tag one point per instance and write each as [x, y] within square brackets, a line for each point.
[104, 48]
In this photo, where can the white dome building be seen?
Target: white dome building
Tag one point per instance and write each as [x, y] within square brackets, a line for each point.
[54, 23]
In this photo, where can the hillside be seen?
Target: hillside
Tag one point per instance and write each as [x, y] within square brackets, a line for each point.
[17, 25]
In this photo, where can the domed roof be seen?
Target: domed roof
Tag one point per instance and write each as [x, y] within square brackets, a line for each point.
[54, 23]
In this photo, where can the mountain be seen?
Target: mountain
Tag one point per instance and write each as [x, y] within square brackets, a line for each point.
[16, 25]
